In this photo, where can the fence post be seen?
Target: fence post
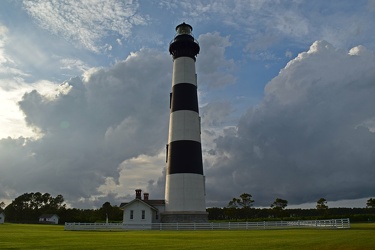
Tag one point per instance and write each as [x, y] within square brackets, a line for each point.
[348, 221]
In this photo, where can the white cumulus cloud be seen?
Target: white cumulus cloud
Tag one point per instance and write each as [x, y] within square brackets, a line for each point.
[310, 137]
[89, 128]
[86, 21]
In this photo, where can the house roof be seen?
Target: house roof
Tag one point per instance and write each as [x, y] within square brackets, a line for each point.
[47, 216]
[150, 203]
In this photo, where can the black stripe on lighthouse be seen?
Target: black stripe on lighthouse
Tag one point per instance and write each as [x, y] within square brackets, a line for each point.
[184, 97]
[185, 157]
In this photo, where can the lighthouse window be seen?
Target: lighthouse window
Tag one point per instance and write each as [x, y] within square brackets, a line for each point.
[143, 214]
[131, 214]
[183, 30]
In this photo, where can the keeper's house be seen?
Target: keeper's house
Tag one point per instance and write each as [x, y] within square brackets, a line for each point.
[142, 211]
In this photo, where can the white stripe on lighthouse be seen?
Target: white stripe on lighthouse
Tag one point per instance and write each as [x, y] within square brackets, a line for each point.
[184, 71]
[184, 125]
[185, 192]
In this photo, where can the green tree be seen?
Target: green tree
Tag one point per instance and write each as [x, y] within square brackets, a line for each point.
[57, 202]
[29, 206]
[277, 208]
[240, 207]
[231, 211]
[106, 210]
[2, 205]
[233, 203]
[279, 204]
[370, 203]
[321, 204]
[215, 213]
[113, 213]
[245, 201]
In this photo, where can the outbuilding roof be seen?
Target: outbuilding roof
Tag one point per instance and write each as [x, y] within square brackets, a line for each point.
[48, 216]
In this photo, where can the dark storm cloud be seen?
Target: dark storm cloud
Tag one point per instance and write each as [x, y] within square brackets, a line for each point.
[310, 137]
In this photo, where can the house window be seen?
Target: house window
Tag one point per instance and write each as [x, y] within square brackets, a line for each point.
[143, 214]
[156, 215]
[131, 214]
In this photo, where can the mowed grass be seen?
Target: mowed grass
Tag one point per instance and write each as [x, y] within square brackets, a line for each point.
[25, 236]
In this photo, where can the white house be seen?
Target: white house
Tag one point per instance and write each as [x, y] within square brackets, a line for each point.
[49, 218]
[2, 218]
[144, 211]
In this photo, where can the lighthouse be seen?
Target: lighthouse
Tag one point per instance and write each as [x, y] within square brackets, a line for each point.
[185, 182]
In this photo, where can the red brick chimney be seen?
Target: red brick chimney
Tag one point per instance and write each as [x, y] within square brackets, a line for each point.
[145, 196]
[138, 194]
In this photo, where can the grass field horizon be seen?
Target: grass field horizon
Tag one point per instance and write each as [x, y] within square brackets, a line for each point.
[34, 236]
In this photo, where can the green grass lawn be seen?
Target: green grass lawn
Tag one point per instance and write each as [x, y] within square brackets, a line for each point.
[25, 236]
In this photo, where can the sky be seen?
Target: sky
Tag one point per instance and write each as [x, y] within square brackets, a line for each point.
[286, 95]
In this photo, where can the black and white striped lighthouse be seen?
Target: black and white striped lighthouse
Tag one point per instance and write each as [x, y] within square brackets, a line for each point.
[185, 182]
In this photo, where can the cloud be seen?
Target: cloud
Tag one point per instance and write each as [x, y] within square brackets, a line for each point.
[73, 63]
[13, 84]
[12, 120]
[29, 55]
[89, 128]
[213, 69]
[86, 22]
[3, 36]
[262, 25]
[135, 173]
[8, 66]
[309, 137]
[371, 5]
[288, 54]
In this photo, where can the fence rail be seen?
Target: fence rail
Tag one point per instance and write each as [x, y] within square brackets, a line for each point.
[333, 223]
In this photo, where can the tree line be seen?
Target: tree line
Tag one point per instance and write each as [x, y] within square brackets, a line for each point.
[27, 208]
[241, 209]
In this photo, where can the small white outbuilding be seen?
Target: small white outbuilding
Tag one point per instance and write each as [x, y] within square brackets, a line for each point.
[49, 218]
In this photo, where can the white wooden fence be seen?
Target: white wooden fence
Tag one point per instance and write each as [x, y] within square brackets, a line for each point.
[333, 223]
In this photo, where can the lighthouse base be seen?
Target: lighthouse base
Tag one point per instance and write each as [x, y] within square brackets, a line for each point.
[184, 217]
